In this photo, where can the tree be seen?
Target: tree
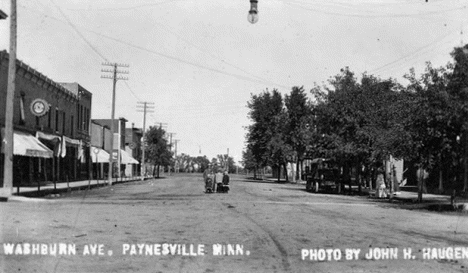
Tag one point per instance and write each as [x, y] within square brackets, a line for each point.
[265, 137]
[226, 162]
[354, 121]
[158, 151]
[249, 161]
[202, 162]
[299, 119]
[458, 88]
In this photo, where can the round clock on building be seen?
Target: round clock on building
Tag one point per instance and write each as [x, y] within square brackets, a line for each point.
[39, 107]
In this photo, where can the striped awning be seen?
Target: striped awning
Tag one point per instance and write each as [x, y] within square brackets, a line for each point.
[25, 144]
[99, 155]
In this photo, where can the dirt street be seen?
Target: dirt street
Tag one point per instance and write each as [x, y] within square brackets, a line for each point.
[171, 225]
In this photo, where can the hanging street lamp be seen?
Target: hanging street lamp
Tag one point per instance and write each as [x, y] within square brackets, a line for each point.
[253, 12]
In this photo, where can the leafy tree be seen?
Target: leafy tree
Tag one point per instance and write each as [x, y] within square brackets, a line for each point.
[249, 161]
[226, 162]
[202, 162]
[299, 119]
[458, 88]
[355, 121]
[158, 151]
[265, 136]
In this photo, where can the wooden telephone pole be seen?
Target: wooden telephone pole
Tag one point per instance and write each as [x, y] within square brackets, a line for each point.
[8, 135]
[145, 107]
[114, 77]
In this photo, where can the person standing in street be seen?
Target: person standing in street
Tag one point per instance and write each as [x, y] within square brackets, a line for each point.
[380, 184]
[206, 173]
[208, 179]
[218, 179]
[225, 182]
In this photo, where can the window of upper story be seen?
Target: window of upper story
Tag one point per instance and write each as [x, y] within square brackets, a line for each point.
[57, 119]
[71, 126]
[49, 117]
[78, 112]
[22, 114]
[63, 122]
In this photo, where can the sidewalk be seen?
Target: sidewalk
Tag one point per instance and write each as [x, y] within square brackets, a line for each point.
[62, 187]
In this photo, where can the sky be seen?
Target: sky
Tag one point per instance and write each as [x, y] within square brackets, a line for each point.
[200, 61]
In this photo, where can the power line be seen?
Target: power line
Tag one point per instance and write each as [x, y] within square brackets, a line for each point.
[78, 32]
[418, 50]
[130, 8]
[297, 5]
[213, 55]
[256, 79]
[131, 91]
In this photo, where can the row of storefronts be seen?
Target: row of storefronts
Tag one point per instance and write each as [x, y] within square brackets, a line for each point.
[55, 139]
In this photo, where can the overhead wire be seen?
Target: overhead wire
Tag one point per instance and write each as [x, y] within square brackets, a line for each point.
[78, 32]
[131, 8]
[434, 43]
[317, 10]
[253, 78]
[213, 55]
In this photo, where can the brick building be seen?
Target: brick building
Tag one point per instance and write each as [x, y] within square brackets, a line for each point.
[48, 146]
[133, 147]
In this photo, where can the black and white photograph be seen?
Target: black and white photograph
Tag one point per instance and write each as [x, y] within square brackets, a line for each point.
[234, 136]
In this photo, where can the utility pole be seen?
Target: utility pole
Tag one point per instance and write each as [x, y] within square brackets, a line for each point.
[170, 149]
[148, 107]
[161, 124]
[227, 161]
[177, 161]
[114, 77]
[170, 139]
[8, 136]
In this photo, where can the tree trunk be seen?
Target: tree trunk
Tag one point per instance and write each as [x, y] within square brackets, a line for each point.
[465, 162]
[298, 170]
[358, 176]
[158, 170]
[420, 184]
[346, 176]
[293, 173]
[441, 178]
[285, 172]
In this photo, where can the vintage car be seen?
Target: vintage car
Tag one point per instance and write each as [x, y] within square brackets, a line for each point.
[323, 175]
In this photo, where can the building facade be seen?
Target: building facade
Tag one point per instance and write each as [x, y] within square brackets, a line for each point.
[122, 158]
[46, 147]
[133, 147]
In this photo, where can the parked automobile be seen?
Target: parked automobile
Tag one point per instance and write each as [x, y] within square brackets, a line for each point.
[323, 175]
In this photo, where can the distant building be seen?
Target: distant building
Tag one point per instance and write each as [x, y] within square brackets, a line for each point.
[133, 147]
[120, 154]
[100, 145]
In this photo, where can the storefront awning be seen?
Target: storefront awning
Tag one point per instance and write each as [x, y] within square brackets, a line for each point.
[71, 142]
[126, 158]
[98, 155]
[49, 137]
[27, 145]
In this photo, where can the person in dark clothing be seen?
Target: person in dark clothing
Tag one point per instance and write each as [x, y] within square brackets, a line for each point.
[226, 178]
[225, 182]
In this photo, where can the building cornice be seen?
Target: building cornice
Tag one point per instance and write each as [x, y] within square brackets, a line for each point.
[40, 79]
